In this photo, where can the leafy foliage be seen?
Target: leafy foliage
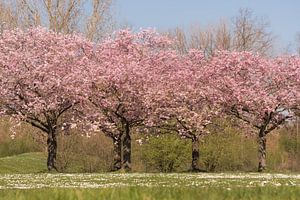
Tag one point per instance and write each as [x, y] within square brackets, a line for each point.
[166, 153]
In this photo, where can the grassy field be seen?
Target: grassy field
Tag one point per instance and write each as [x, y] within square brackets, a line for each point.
[149, 186]
[24, 163]
[143, 193]
[23, 177]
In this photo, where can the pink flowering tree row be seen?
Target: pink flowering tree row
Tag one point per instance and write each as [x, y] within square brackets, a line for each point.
[134, 81]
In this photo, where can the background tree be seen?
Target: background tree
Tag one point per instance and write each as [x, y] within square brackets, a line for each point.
[298, 43]
[245, 32]
[37, 70]
[8, 19]
[251, 33]
[91, 17]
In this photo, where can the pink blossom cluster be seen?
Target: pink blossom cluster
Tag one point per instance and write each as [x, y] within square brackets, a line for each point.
[137, 79]
[140, 78]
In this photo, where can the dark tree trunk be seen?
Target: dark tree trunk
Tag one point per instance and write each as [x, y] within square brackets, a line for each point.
[117, 153]
[52, 149]
[262, 150]
[195, 155]
[127, 149]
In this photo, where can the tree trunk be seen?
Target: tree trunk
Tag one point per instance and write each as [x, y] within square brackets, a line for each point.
[127, 149]
[262, 150]
[195, 155]
[52, 149]
[117, 153]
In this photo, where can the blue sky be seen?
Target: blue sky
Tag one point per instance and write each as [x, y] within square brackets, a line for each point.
[283, 15]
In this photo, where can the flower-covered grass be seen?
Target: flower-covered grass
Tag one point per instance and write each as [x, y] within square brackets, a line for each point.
[160, 180]
[150, 186]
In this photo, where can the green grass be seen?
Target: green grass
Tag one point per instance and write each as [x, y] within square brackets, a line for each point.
[23, 163]
[35, 163]
[21, 179]
[136, 186]
[143, 193]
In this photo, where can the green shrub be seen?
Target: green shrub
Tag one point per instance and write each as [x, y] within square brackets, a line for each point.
[16, 146]
[227, 149]
[228, 152]
[166, 153]
[24, 141]
[77, 153]
[285, 153]
[290, 143]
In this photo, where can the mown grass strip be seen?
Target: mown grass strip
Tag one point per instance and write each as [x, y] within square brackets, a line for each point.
[144, 193]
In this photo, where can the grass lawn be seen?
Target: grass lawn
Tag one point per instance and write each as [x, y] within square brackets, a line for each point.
[150, 186]
[23, 177]
[146, 193]
[24, 163]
